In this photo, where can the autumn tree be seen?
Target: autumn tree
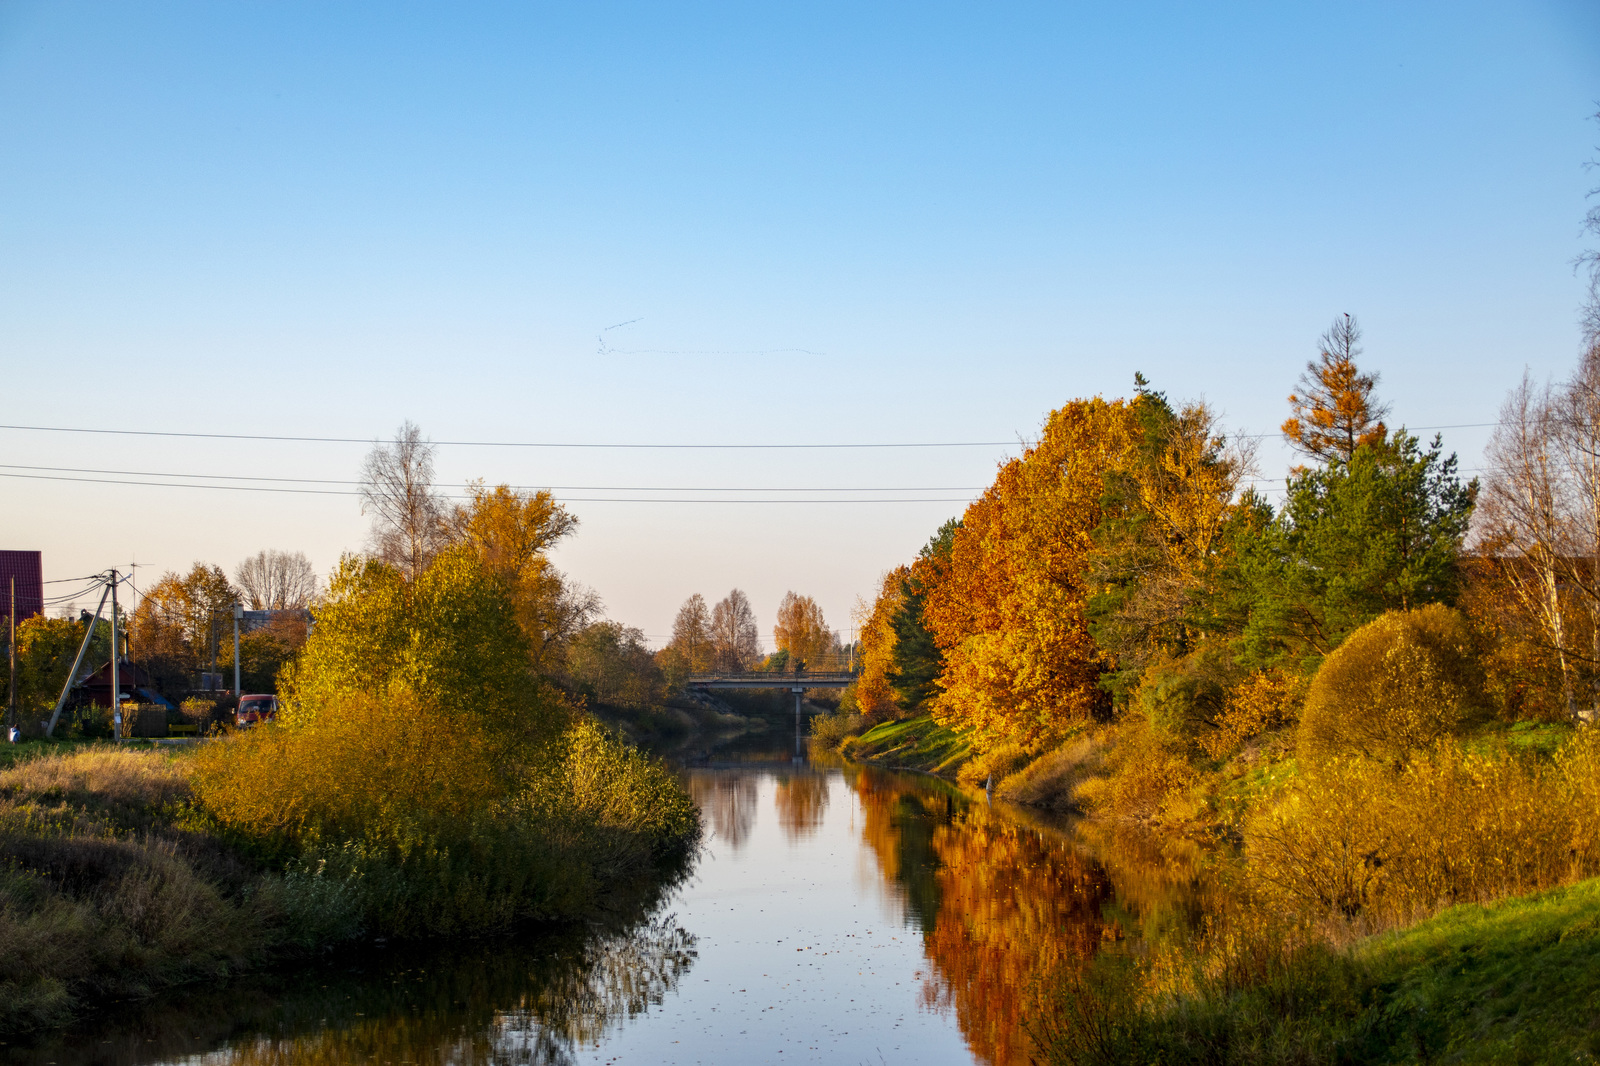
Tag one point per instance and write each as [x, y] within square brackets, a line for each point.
[915, 660]
[1526, 530]
[1009, 610]
[408, 517]
[276, 581]
[610, 663]
[735, 640]
[691, 633]
[449, 639]
[871, 692]
[1334, 410]
[801, 630]
[511, 533]
[46, 648]
[1162, 536]
[181, 623]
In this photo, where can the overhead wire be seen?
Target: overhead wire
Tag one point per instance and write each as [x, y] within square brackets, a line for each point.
[620, 445]
[562, 499]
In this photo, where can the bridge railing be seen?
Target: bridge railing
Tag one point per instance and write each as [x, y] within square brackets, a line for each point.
[774, 677]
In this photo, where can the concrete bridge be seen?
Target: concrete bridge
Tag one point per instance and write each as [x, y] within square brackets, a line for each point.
[796, 681]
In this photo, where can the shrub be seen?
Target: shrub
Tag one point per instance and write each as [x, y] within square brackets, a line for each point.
[1399, 683]
[831, 730]
[1262, 702]
[1359, 836]
[996, 764]
[1147, 780]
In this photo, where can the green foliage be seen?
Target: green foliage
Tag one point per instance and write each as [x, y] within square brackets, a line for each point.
[915, 659]
[45, 650]
[1396, 685]
[1509, 982]
[422, 766]
[1381, 532]
[610, 663]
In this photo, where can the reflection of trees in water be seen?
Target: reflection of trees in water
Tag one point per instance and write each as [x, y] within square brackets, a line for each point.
[532, 1001]
[802, 799]
[1001, 905]
[729, 800]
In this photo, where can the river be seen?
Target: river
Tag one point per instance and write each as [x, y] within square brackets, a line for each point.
[839, 913]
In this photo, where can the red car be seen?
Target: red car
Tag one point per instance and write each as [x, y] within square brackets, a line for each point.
[253, 709]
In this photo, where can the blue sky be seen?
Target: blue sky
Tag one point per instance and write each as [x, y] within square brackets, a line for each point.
[824, 224]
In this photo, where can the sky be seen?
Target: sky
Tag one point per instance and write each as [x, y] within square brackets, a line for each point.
[582, 226]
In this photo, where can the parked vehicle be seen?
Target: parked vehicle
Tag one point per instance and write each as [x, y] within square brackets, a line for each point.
[258, 708]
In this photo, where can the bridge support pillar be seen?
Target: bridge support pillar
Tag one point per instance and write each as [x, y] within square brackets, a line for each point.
[799, 740]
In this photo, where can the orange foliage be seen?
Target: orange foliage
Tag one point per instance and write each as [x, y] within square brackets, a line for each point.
[1004, 909]
[801, 800]
[1008, 610]
[873, 694]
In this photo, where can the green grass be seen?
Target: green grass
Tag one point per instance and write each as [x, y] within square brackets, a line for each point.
[914, 744]
[1516, 981]
[1511, 982]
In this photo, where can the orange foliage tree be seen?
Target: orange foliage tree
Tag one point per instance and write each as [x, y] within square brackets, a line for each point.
[1021, 664]
[874, 696]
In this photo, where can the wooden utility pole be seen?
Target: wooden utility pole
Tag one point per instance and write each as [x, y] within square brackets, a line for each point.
[11, 697]
[116, 684]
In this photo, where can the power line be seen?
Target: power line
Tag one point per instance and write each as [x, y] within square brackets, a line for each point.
[610, 445]
[552, 488]
[506, 443]
[560, 499]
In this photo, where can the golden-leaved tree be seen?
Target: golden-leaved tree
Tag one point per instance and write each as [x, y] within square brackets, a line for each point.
[1020, 663]
[511, 532]
[801, 630]
[872, 690]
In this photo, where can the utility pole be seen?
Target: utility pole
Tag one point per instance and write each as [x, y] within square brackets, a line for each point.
[238, 613]
[11, 698]
[66, 689]
[116, 681]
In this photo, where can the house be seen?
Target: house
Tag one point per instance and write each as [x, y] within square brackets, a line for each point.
[27, 570]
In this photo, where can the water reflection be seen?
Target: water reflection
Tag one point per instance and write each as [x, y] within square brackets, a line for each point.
[1002, 905]
[802, 800]
[536, 1000]
[841, 914]
[728, 800]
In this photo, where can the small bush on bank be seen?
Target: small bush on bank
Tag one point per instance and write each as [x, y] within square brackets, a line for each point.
[1147, 777]
[1398, 684]
[831, 730]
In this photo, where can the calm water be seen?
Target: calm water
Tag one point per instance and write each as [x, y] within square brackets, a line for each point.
[840, 915]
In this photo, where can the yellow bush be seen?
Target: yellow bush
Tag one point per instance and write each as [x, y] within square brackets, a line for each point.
[1396, 685]
[1358, 836]
[1148, 778]
[1264, 701]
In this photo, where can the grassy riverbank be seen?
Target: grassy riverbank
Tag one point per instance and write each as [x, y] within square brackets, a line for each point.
[913, 744]
[120, 879]
[1516, 981]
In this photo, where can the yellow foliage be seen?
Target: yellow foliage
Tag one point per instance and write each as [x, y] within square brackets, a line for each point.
[1009, 613]
[1397, 684]
[1264, 701]
[1356, 836]
[873, 694]
[1147, 778]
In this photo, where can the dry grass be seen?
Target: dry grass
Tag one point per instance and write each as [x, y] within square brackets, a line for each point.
[101, 892]
[1053, 780]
